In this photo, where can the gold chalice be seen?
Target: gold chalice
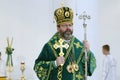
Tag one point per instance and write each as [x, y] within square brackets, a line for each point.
[22, 68]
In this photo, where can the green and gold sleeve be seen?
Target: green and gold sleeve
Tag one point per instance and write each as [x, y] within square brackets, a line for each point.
[44, 63]
[91, 63]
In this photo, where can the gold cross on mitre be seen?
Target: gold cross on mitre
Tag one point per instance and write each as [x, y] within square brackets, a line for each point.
[64, 3]
[61, 46]
[79, 76]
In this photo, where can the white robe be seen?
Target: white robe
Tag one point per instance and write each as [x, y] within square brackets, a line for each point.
[109, 68]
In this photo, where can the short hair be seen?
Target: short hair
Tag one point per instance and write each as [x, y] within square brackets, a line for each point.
[106, 47]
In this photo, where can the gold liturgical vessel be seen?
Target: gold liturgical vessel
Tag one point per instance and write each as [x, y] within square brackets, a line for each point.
[22, 68]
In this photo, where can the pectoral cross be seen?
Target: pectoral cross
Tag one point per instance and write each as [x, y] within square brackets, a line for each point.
[78, 76]
[61, 46]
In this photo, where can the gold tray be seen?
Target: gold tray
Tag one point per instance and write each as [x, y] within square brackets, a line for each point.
[3, 78]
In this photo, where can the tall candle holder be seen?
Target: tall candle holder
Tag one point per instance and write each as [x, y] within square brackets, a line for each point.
[9, 70]
[9, 62]
[22, 68]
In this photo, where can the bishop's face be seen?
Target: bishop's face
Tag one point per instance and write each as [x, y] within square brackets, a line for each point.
[65, 30]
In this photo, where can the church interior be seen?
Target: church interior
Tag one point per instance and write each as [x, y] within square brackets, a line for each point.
[26, 25]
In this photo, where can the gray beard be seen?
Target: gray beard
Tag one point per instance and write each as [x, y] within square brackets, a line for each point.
[67, 37]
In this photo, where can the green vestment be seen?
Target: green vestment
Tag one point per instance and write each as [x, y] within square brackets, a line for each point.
[46, 68]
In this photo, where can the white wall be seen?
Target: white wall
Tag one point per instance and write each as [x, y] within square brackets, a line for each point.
[30, 23]
[109, 27]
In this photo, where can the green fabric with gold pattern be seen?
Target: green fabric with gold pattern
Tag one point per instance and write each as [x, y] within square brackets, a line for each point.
[46, 69]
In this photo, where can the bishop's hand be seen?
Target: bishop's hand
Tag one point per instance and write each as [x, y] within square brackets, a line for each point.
[60, 61]
[86, 45]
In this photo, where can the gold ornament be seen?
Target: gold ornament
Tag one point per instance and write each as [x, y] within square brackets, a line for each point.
[67, 14]
[78, 76]
[71, 68]
[75, 67]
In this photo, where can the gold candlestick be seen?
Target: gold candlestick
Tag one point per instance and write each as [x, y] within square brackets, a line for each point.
[22, 68]
[9, 62]
[9, 70]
